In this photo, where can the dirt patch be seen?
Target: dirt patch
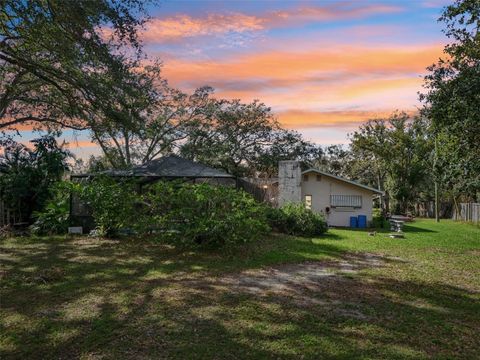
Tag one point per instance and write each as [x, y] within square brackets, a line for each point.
[327, 284]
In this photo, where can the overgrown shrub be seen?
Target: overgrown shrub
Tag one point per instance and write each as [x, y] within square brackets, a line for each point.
[378, 220]
[296, 219]
[54, 218]
[27, 176]
[187, 214]
[113, 203]
[205, 215]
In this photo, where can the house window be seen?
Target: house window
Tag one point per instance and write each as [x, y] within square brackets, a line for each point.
[319, 177]
[305, 177]
[352, 201]
[308, 202]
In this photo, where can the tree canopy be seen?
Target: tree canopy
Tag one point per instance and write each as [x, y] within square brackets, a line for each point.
[452, 100]
[62, 60]
[27, 175]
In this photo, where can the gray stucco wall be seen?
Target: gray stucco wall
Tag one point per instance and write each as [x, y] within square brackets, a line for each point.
[289, 182]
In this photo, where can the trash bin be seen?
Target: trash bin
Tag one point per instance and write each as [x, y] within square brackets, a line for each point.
[362, 221]
[353, 222]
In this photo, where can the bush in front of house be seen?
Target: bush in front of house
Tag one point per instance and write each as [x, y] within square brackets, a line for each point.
[378, 220]
[27, 176]
[53, 219]
[205, 215]
[113, 203]
[296, 219]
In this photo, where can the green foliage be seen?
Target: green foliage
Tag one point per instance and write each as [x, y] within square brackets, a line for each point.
[58, 65]
[113, 203]
[27, 176]
[205, 215]
[296, 219]
[54, 217]
[378, 220]
[186, 214]
[398, 152]
[245, 139]
[452, 102]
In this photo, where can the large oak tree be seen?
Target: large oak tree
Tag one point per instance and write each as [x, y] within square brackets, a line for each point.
[61, 61]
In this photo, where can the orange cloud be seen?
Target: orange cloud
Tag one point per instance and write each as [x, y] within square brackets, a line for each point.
[298, 66]
[329, 78]
[347, 118]
[182, 26]
[370, 87]
[186, 26]
[76, 144]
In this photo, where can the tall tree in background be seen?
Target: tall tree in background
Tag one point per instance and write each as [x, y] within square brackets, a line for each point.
[245, 139]
[371, 151]
[157, 121]
[58, 64]
[285, 145]
[337, 160]
[452, 101]
[398, 151]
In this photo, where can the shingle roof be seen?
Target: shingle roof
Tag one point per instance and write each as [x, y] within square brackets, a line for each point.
[171, 166]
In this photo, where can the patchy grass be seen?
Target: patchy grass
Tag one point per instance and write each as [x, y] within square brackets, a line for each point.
[346, 295]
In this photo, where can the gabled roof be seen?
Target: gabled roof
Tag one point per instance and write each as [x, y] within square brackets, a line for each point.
[343, 179]
[171, 166]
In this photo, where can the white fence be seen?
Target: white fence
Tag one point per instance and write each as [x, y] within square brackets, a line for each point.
[468, 212]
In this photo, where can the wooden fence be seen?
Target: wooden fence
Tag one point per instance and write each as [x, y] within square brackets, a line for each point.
[262, 191]
[468, 212]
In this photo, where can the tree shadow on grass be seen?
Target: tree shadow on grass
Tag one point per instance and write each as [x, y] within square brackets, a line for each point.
[115, 300]
[411, 228]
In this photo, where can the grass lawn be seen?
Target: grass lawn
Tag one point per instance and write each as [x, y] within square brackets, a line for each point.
[346, 295]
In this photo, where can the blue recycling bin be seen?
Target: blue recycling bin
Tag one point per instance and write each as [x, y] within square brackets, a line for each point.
[353, 222]
[362, 221]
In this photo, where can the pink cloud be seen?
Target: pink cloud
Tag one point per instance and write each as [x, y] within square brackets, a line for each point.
[185, 26]
[328, 13]
[181, 26]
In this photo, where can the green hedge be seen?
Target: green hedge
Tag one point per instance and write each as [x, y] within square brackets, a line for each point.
[378, 220]
[205, 215]
[295, 219]
[188, 214]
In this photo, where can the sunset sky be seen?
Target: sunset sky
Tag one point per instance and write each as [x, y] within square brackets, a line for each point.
[323, 66]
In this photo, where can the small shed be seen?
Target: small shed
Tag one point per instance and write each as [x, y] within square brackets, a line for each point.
[337, 198]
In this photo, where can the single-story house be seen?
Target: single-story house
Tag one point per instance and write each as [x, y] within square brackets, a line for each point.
[335, 197]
